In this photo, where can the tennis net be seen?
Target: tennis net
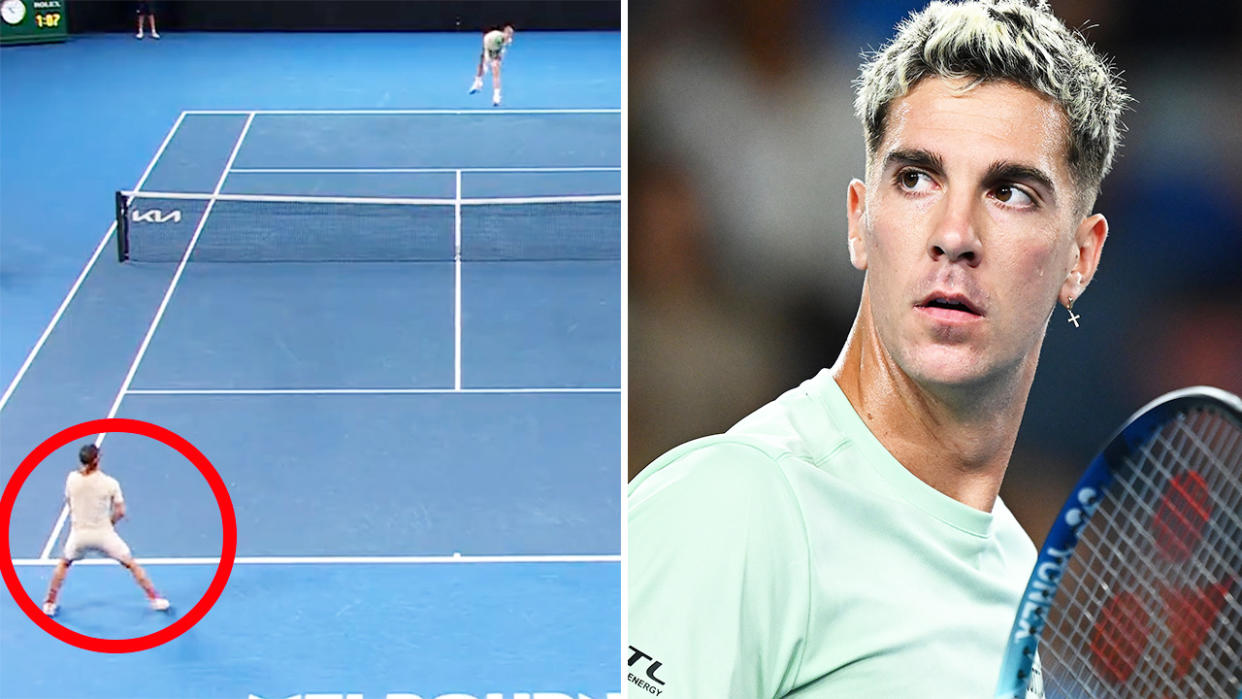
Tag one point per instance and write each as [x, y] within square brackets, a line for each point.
[162, 226]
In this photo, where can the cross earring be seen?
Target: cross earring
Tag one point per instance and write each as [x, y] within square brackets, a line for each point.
[1069, 306]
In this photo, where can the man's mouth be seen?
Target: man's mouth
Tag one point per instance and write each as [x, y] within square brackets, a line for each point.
[950, 305]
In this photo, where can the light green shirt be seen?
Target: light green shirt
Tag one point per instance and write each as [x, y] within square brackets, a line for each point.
[793, 556]
[494, 42]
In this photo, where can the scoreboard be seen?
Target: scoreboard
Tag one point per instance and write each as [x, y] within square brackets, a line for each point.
[33, 21]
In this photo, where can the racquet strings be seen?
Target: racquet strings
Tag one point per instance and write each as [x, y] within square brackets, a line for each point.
[1151, 601]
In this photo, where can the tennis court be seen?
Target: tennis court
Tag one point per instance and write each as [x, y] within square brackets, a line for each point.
[396, 334]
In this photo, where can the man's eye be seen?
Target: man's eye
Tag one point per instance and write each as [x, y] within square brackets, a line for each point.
[1007, 194]
[914, 180]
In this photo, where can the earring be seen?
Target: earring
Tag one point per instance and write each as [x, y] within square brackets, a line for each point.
[1069, 306]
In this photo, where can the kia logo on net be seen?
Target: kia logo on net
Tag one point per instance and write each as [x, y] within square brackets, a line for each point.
[157, 216]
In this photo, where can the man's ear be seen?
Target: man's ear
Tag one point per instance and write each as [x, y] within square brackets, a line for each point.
[1088, 244]
[856, 211]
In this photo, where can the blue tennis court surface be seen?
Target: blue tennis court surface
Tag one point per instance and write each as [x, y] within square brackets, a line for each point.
[423, 456]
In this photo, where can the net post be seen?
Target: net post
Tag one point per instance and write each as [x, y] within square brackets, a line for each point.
[122, 227]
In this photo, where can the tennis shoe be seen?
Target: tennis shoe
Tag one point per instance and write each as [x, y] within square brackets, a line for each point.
[155, 35]
[496, 98]
[159, 604]
[49, 608]
[138, 35]
[476, 86]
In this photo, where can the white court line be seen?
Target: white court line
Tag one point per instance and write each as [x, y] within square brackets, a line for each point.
[414, 201]
[496, 112]
[331, 170]
[73, 290]
[159, 314]
[457, 285]
[338, 560]
[353, 391]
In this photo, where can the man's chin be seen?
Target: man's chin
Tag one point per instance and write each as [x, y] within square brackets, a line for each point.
[950, 367]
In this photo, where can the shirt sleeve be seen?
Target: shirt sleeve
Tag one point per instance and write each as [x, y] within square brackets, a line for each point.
[719, 586]
[117, 497]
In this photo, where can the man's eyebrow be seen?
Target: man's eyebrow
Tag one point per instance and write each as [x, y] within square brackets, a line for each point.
[916, 157]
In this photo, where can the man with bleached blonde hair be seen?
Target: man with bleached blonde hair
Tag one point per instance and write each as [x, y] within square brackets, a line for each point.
[847, 539]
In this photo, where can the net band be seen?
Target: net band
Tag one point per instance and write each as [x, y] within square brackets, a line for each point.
[158, 227]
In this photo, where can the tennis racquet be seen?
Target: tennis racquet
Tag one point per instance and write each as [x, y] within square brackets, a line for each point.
[1137, 591]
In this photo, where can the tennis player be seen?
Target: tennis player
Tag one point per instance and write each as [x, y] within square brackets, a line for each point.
[495, 43]
[847, 539]
[95, 506]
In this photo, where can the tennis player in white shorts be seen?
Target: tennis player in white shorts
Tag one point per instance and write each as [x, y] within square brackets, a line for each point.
[95, 506]
[495, 43]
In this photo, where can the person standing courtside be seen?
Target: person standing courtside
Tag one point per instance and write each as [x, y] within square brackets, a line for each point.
[144, 9]
[95, 506]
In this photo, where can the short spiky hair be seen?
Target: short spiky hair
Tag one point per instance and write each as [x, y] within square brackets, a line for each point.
[1014, 40]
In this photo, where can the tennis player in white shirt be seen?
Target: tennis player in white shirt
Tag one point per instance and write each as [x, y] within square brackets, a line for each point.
[495, 43]
[95, 506]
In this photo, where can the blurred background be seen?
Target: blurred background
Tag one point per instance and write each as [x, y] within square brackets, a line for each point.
[743, 140]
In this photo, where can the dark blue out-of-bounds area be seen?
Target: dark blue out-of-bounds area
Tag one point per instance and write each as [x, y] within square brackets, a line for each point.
[423, 456]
